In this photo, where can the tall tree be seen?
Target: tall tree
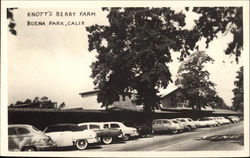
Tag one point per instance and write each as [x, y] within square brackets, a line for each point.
[238, 91]
[133, 52]
[194, 81]
[134, 49]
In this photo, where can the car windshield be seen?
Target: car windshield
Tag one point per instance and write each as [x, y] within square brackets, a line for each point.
[174, 121]
[204, 119]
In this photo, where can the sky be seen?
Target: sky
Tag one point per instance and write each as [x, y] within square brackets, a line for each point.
[54, 61]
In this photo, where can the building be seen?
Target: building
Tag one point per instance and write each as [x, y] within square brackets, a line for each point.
[90, 102]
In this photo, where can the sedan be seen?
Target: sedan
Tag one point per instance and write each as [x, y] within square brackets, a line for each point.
[71, 135]
[24, 137]
[106, 134]
[166, 125]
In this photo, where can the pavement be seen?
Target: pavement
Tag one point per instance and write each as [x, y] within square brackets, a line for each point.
[223, 138]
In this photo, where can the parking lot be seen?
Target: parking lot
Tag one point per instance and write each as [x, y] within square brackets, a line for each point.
[178, 134]
[227, 137]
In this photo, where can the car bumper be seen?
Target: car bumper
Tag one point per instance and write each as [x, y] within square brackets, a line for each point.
[47, 147]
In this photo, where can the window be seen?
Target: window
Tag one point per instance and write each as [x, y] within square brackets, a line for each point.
[165, 122]
[114, 126]
[182, 120]
[94, 127]
[12, 131]
[84, 127]
[175, 121]
[158, 122]
[106, 126]
[23, 131]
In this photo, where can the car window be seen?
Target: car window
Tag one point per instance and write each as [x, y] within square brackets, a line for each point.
[165, 122]
[182, 120]
[23, 131]
[158, 122]
[174, 121]
[106, 126]
[94, 127]
[84, 127]
[189, 120]
[112, 125]
[12, 131]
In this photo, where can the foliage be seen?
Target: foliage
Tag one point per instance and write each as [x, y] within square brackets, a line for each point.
[133, 52]
[221, 19]
[12, 23]
[238, 91]
[134, 49]
[62, 105]
[194, 81]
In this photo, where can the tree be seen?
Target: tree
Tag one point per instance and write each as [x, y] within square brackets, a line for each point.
[44, 99]
[62, 105]
[238, 91]
[194, 81]
[221, 19]
[134, 49]
[12, 23]
[27, 101]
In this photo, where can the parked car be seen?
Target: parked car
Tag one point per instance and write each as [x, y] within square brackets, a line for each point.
[127, 132]
[207, 122]
[142, 129]
[166, 125]
[224, 120]
[218, 120]
[233, 119]
[183, 126]
[71, 135]
[188, 122]
[106, 134]
[24, 137]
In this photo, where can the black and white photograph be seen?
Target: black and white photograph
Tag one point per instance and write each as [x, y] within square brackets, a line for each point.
[135, 78]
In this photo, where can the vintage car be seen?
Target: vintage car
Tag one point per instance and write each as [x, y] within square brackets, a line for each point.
[142, 129]
[127, 132]
[233, 119]
[24, 137]
[166, 125]
[188, 122]
[71, 135]
[219, 121]
[106, 134]
[207, 122]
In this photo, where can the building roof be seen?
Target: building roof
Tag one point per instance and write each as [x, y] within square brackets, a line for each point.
[88, 93]
[169, 91]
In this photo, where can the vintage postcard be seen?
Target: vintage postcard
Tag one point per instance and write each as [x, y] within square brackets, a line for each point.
[125, 79]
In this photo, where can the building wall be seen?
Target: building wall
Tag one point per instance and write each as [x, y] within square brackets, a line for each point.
[90, 102]
[172, 101]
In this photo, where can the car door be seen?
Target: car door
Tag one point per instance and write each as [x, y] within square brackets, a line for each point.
[67, 136]
[13, 139]
[157, 126]
[165, 125]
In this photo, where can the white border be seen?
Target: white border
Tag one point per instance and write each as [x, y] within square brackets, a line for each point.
[95, 4]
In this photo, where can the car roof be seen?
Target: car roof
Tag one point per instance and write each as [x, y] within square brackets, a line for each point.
[20, 125]
[86, 123]
[63, 124]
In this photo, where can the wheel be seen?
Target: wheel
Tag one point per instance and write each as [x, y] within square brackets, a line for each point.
[126, 137]
[174, 131]
[81, 144]
[29, 148]
[189, 128]
[107, 140]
